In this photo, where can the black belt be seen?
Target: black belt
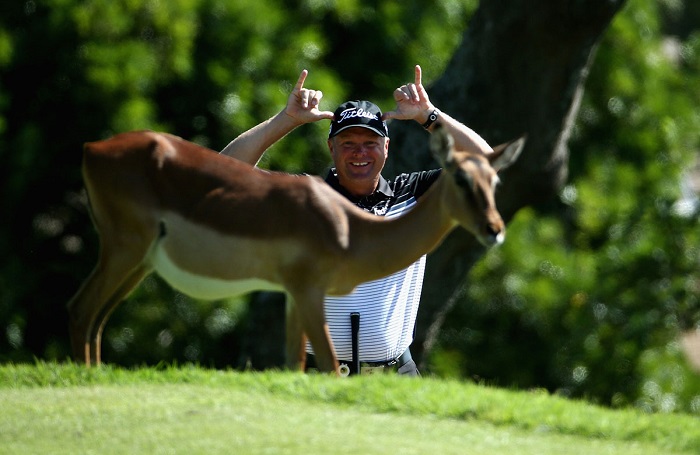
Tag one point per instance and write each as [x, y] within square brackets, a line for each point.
[398, 362]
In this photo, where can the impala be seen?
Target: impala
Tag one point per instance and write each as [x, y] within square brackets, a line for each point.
[213, 227]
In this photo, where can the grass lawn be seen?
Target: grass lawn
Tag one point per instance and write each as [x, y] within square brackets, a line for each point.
[67, 409]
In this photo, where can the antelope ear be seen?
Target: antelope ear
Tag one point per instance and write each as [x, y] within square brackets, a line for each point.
[505, 154]
[441, 146]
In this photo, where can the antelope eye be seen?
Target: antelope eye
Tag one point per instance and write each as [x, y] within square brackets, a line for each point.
[462, 180]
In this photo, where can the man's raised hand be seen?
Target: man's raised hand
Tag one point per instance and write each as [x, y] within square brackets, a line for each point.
[302, 104]
[412, 101]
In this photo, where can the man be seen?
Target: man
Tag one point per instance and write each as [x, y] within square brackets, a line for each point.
[359, 145]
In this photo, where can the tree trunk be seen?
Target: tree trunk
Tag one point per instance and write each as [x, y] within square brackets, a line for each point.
[520, 69]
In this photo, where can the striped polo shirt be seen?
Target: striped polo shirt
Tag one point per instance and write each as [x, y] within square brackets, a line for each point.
[387, 306]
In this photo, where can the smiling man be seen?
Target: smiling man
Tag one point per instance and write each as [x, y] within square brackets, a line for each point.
[371, 328]
[359, 145]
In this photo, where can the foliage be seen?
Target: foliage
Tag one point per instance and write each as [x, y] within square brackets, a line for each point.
[583, 301]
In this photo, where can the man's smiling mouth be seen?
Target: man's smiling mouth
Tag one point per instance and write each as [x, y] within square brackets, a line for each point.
[360, 164]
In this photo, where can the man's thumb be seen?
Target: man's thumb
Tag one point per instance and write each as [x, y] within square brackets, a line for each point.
[389, 115]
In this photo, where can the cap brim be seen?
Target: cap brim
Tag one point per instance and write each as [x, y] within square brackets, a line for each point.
[369, 127]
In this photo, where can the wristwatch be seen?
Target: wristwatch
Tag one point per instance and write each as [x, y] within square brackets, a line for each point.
[432, 118]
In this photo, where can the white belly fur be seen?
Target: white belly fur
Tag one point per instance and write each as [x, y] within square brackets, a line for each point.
[202, 287]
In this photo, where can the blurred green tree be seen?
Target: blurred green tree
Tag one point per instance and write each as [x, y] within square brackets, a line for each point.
[581, 300]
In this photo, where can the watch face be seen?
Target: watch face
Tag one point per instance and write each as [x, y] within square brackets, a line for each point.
[431, 118]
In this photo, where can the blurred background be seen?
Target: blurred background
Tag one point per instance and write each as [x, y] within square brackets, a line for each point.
[595, 292]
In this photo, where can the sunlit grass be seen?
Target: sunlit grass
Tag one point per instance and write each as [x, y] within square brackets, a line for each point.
[147, 409]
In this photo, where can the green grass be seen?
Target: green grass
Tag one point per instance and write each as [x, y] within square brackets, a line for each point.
[51, 408]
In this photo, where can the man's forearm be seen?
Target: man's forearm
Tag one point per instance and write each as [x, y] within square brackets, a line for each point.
[465, 138]
[250, 146]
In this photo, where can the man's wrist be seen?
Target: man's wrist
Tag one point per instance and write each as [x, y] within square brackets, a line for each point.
[288, 120]
[433, 115]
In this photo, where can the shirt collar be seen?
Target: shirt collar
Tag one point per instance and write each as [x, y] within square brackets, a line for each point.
[383, 188]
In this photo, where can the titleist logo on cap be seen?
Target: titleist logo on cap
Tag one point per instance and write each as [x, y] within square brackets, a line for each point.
[363, 114]
[355, 112]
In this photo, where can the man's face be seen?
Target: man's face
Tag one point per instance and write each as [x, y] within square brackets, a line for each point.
[359, 155]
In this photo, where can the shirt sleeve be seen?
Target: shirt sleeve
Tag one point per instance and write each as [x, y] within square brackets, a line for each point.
[416, 183]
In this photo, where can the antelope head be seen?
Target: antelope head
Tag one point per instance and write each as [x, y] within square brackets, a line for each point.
[473, 182]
